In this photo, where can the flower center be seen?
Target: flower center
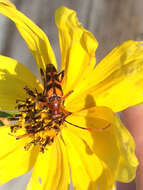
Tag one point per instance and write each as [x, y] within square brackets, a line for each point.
[39, 119]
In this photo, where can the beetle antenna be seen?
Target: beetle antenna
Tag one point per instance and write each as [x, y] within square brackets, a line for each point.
[89, 129]
[75, 125]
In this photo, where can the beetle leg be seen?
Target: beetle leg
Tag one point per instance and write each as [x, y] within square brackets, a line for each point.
[61, 75]
[66, 95]
[42, 76]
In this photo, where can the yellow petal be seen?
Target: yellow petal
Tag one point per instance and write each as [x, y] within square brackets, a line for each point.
[13, 78]
[114, 187]
[51, 170]
[128, 160]
[77, 48]
[106, 180]
[116, 81]
[105, 144]
[85, 165]
[14, 160]
[102, 142]
[113, 145]
[92, 118]
[8, 3]
[35, 38]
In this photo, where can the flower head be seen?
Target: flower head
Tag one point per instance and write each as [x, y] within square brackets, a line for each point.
[66, 124]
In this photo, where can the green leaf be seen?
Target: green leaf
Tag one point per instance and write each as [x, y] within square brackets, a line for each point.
[5, 114]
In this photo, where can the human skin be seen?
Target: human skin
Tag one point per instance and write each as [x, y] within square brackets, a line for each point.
[133, 120]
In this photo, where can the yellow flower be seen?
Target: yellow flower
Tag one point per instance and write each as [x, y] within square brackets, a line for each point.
[95, 157]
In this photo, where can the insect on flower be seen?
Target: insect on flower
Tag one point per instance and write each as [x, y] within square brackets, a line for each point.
[53, 94]
[45, 109]
[58, 122]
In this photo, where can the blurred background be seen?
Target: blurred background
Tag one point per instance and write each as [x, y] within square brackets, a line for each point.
[111, 21]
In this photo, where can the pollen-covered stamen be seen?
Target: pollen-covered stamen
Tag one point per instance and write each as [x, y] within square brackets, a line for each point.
[34, 121]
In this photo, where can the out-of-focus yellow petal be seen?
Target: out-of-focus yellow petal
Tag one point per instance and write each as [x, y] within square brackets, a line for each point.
[35, 38]
[116, 81]
[8, 3]
[85, 166]
[13, 78]
[114, 187]
[51, 170]
[128, 161]
[14, 160]
[77, 48]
